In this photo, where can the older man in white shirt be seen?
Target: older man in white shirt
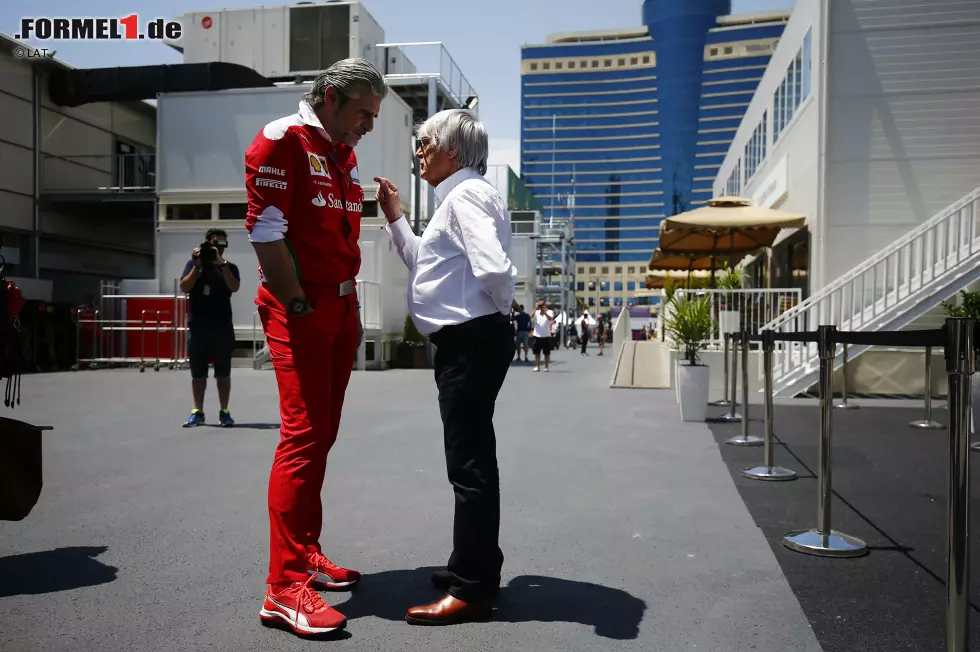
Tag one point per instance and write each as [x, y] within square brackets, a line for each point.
[460, 295]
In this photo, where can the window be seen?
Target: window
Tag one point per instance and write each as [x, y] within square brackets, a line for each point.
[370, 209]
[630, 286]
[714, 52]
[608, 63]
[632, 270]
[646, 59]
[534, 66]
[604, 302]
[603, 286]
[618, 286]
[619, 270]
[634, 61]
[188, 211]
[592, 270]
[622, 62]
[728, 50]
[595, 63]
[546, 65]
[580, 286]
[605, 270]
[232, 211]
[558, 65]
[807, 63]
[618, 301]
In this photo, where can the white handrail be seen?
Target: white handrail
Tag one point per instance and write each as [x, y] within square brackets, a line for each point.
[872, 261]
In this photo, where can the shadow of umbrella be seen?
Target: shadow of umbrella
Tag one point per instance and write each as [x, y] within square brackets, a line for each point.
[51, 571]
[612, 613]
[21, 478]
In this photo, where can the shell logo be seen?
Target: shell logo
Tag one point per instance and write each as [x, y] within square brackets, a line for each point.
[207, 22]
[315, 164]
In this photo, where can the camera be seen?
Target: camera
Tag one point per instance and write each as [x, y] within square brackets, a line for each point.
[209, 253]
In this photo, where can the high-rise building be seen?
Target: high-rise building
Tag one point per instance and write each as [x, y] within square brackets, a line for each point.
[622, 128]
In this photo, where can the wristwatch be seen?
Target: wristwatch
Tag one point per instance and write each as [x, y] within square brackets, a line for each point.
[298, 306]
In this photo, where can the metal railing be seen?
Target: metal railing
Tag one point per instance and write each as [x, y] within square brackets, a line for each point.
[919, 269]
[431, 59]
[116, 173]
[372, 309]
[735, 311]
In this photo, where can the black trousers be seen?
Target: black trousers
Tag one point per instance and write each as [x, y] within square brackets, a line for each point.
[471, 363]
[585, 340]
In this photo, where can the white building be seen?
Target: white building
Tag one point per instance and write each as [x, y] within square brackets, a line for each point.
[866, 122]
[76, 188]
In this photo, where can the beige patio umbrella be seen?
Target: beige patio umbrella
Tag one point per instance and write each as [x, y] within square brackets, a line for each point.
[727, 225]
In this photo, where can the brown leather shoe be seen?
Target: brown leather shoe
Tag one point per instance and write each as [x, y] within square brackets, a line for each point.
[449, 611]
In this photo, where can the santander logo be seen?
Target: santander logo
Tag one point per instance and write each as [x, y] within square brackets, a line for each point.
[319, 200]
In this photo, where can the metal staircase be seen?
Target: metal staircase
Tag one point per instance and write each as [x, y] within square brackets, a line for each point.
[888, 291]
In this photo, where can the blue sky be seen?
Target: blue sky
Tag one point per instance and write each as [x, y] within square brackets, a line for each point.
[483, 38]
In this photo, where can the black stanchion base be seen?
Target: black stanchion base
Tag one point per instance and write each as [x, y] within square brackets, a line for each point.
[750, 440]
[721, 403]
[771, 473]
[730, 417]
[834, 544]
[924, 424]
[846, 406]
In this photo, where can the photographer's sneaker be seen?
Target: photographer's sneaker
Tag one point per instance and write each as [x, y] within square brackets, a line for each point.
[224, 418]
[300, 608]
[195, 419]
[328, 575]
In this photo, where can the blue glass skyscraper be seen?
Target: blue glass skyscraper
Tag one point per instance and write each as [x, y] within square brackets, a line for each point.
[621, 128]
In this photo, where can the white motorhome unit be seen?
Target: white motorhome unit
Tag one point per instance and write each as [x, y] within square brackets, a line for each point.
[202, 138]
[867, 125]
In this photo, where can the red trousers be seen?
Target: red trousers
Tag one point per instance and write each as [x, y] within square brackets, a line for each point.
[313, 356]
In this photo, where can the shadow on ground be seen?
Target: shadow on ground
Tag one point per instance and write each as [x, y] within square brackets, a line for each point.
[51, 571]
[612, 613]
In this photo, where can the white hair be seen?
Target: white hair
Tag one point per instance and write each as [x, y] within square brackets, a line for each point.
[349, 77]
[459, 131]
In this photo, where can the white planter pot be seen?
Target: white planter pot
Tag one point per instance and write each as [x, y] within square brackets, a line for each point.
[693, 386]
[728, 321]
[677, 379]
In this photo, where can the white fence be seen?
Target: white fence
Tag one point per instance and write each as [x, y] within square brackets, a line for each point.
[737, 310]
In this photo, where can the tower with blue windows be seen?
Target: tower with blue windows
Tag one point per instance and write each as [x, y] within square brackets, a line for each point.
[621, 128]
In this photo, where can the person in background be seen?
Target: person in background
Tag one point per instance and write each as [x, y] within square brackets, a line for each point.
[584, 331]
[542, 321]
[209, 281]
[600, 333]
[523, 322]
[460, 295]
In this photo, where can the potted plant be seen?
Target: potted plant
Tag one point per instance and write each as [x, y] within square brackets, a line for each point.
[411, 350]
[690, 327]
[728, 313]
[969, 307]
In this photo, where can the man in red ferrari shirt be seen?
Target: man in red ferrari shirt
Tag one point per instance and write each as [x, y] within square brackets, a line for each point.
[304, 217]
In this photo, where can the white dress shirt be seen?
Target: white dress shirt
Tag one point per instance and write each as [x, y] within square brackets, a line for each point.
[460, 267]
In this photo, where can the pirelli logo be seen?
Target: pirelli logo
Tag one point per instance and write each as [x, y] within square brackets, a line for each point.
[271, 183]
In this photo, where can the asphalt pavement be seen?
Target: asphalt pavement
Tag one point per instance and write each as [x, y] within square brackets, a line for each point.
[621, 526]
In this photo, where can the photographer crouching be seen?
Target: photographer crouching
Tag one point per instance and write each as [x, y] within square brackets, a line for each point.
[209, 281]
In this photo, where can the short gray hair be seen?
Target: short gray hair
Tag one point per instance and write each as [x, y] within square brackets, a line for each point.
[349, 77]
[460, 131]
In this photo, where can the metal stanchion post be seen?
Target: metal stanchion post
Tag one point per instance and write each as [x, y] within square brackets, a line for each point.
[844, 405]
[928, 423]
[768, 470]
[732, 415]
[822, 540]
[724, 402]
[960, 365]
[745, 439]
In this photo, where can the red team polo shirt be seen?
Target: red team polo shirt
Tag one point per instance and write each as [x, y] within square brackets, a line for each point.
[305, 189]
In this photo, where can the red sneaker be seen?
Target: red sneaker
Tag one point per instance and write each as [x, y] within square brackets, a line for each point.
[328, 575]
[300, 608]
